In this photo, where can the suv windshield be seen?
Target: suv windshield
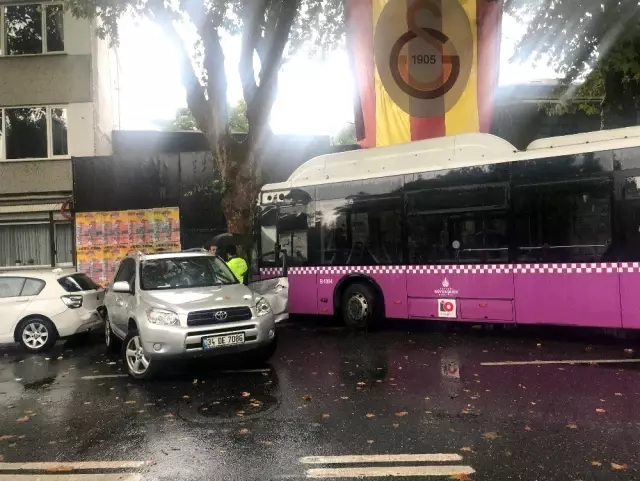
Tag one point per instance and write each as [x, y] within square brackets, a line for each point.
[184, 273]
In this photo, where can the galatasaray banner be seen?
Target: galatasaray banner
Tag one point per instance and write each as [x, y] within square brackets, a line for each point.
[423, 68]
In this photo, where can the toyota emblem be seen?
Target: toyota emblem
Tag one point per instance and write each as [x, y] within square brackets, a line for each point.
[221, 315]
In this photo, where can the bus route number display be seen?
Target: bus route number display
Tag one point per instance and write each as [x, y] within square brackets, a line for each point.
[447, 308]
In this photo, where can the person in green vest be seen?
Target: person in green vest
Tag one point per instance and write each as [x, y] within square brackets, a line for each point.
[237, 264]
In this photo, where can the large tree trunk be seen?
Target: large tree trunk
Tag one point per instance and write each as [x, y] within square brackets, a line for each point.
[240, 194]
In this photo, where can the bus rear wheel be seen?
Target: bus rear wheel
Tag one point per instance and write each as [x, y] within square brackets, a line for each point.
[360, 307]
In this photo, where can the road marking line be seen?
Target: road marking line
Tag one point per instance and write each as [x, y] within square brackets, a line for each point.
[241, 371]
[222, 371]
[52, 466]
[70, 477]
[388, 471]
[380, 458]
[562, 361]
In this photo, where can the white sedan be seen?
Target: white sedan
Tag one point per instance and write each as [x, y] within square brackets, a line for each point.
[37, 308]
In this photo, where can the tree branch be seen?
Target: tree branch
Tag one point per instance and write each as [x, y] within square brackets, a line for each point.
[269, 68]
[196, 99]
[207, 24]
[251, 41]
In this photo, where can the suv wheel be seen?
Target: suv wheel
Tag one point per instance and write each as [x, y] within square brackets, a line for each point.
[110, 339]
[37, 334]
[138, 365]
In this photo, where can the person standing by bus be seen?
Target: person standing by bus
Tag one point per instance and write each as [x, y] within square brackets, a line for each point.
[237, 264]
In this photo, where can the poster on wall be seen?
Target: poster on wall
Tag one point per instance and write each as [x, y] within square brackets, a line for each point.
[104, 238]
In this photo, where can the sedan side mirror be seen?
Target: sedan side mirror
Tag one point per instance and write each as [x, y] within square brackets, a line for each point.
[122, 287]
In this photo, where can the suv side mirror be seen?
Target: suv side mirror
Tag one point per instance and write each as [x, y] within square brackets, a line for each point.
[122, 287]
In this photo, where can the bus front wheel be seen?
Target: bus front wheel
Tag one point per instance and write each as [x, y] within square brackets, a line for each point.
[360, 309]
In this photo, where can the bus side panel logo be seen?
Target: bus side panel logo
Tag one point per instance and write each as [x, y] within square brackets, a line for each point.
[447, 308]
[424, 53]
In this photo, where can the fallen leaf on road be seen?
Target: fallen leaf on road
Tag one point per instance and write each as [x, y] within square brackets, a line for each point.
[460, 477]
[370, 441]
[618, 394]
[490, 435]
[629, 351]
[527, 428]
[362, 383]
[245, 394]
[466, 449]
[370, 415]
[195, 381]
[129, 402]
[619, 467]
[243, 431]
[186, 396]
[23, 419]
[344, 397]
[315, 425]
[59, 469]
[5, 437]
[266, 443]
[396, 425]
[325, 416]
[600, 410]
[402, 413]
[255, 405]
[572, 426]
[307, 397]
[596, 463]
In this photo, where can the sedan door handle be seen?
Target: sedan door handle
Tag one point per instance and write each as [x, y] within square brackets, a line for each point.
[22, 300]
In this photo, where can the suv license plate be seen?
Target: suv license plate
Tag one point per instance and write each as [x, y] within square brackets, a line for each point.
[222, 341]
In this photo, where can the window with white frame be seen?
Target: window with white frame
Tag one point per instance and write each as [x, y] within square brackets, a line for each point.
[32, 244]
[33, 133]
[31, 29]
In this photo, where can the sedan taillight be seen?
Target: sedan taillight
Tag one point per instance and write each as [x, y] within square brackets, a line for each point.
[73, 302]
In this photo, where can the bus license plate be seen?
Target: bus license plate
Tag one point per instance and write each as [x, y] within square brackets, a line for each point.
[223, 341]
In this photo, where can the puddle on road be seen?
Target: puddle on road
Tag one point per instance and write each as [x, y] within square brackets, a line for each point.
[230, 409]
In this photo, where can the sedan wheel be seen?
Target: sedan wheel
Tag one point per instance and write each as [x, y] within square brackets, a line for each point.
[36, 335]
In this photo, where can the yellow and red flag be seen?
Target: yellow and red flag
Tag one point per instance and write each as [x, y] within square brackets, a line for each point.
[423, 68]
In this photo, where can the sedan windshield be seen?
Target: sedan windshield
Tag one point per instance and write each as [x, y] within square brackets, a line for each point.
[184, 273]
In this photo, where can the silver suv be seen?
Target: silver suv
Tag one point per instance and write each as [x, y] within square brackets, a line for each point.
[172, 305]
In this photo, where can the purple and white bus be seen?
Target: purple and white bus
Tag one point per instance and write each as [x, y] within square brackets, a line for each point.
[464, 228]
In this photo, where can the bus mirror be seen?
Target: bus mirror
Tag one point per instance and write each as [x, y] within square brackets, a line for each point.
[455, 244]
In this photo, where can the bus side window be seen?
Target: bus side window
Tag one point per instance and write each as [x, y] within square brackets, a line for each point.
[563, 221]
[629, 250]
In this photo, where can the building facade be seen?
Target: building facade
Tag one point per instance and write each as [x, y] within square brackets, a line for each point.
[58, 100]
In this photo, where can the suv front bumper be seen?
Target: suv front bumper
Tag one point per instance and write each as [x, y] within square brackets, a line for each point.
[161, 342]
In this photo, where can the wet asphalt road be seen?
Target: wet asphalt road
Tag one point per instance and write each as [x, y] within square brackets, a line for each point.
[413, 389]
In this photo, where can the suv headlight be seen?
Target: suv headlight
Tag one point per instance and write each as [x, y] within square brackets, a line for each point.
[162, 317]
[263, 307]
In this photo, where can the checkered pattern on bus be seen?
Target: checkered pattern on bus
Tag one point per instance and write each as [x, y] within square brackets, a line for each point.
[569, 268]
